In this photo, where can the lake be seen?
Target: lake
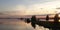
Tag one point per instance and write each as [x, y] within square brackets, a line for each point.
[15, 24]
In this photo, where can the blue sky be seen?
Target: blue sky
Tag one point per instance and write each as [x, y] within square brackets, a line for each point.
[11, 3]
[24, 6]
[25, 2]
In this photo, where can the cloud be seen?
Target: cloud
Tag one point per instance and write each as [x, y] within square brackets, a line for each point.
[19, 7]
[45, 8]
[33, 9]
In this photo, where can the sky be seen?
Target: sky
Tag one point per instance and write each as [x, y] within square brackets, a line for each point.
[29, 7]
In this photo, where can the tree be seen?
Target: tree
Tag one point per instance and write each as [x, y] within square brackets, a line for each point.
[56, 18]
[47, 17]
[33, 21]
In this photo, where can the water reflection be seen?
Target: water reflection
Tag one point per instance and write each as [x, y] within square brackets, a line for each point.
[34, 22]
[51, 25]
[30, 24]
[14, 24]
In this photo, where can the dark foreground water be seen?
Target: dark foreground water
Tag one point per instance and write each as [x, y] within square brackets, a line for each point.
[15, 24]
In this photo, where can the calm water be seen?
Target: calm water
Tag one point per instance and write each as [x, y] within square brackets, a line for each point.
[15, 24]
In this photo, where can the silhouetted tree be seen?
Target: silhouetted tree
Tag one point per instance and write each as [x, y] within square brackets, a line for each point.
[28, 20]
[47, 17]
[56, 22]
[56, 18]
[33, 21]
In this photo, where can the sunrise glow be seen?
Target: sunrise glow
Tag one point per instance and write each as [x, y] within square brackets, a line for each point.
[33, 9]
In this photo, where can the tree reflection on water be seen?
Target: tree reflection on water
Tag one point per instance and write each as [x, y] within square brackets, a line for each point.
[51, 25]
